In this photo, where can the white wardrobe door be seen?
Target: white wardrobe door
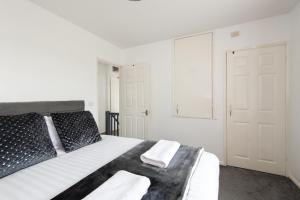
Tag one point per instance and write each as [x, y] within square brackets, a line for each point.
[256, 109]
[192, 86]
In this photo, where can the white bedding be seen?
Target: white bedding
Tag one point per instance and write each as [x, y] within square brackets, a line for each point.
[48, 179]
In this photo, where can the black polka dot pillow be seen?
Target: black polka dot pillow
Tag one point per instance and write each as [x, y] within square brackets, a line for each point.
[24, 141]
[76, 129]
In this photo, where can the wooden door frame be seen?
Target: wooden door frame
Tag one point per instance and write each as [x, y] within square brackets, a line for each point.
[149, 97]
[225, 142]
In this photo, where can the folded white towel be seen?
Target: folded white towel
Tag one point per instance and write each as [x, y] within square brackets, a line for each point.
[121, 186]
[161, 153]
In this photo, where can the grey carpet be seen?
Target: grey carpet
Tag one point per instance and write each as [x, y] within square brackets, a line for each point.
[242, 184]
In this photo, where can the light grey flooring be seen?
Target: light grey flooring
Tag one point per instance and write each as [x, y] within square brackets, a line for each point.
[242, 184]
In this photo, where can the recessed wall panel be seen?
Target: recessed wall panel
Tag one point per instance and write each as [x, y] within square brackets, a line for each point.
[241, 91]
[266, 142]
[266, 92]
[241, 138]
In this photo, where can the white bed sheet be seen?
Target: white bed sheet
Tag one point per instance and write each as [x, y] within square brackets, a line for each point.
[49, 178]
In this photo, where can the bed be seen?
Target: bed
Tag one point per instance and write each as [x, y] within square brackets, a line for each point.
[50, 178]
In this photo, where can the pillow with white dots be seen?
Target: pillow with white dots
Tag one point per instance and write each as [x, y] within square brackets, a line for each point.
[76, 129]
[24, 141]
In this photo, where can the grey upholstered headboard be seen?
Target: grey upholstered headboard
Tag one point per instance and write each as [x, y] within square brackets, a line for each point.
[43, 107]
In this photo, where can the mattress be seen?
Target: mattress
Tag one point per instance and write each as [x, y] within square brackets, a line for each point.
[49, 178]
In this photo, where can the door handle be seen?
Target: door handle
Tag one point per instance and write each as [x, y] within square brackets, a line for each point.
[230, 110]
[146, 112]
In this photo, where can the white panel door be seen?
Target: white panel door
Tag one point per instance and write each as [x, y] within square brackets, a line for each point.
[135, 103]
[256, 109]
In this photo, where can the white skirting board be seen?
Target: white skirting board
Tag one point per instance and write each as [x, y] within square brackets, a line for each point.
[293, 178]
[222, 163]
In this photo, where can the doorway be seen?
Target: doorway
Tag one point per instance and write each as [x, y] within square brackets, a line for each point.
[124, 100]
[256, 106]
[108, 86]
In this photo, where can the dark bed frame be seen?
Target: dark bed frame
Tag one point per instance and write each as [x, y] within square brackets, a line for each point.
[42, 107]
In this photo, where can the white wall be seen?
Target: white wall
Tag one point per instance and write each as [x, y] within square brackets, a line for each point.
[294, 128]
[209, 133]
[44, 57]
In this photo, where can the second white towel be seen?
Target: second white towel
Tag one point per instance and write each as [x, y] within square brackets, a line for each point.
[161, 153]
[121, 186]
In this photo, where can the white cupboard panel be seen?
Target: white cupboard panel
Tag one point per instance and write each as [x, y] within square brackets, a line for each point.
[193, 92]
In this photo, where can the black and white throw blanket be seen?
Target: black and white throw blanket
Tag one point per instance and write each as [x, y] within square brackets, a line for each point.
[166, 183]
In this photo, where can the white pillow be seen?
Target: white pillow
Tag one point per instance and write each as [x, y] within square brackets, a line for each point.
[54, 136]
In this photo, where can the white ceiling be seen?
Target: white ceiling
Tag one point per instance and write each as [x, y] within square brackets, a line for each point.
[126, 24]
